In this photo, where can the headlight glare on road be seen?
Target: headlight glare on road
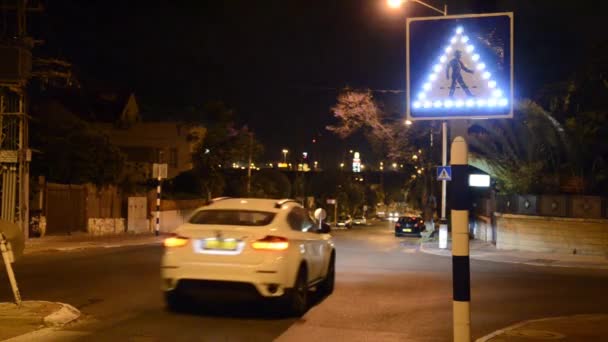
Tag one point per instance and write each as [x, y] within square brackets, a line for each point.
[175, 241]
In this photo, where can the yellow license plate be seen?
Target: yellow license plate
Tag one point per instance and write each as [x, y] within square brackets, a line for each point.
[407, 230]
[229, 245]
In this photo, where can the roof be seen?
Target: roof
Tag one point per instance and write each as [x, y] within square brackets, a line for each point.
[263, 204]
[106, 107]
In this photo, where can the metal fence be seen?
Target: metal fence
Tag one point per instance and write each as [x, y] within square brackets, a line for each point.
[573, 206]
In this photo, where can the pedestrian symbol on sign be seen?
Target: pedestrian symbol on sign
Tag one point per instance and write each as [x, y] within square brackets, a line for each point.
[444, 173]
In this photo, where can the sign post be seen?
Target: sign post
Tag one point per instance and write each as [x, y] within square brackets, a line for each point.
[444, 174]
[159, 171]
[11, 247]
[335, 203]
[459, 68]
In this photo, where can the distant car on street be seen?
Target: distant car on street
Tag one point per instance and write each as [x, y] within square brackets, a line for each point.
[360, 220]
[345, 221]
[249, 248]
[393, 216]
[409, 225]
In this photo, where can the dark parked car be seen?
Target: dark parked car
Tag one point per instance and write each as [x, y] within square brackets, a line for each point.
[345, 221]
[409, 226]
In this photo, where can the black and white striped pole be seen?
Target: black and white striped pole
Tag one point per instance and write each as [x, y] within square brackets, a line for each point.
[459, 203]
[159, 171]
[158, 191]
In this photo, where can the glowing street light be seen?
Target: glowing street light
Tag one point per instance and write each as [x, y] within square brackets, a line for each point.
[394, 3]
[285, 151]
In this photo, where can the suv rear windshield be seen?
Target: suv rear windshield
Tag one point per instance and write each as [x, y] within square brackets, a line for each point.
[232, 217]
[342, 218]
[409, 219]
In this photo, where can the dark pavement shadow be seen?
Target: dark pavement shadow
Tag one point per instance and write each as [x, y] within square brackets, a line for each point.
[261, 309]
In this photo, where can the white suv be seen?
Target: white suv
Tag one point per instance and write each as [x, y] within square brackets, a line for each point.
[264, 247]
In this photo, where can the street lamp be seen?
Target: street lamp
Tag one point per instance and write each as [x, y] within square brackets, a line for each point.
[462, 320]
[397, 3]
[444, 126]
[285, 151]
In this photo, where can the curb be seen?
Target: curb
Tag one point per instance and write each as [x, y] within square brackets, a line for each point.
[504, 261]
[98, 246]
[57, 319]
[63, 316]
[520, 324]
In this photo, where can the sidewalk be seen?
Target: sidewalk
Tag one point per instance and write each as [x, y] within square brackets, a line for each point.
[32, 318]
[480, 250]
[570, 328]
[83, 240]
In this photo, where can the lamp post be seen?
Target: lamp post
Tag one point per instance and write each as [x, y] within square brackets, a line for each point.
[444, 138]
[285, 151]
[461, 309]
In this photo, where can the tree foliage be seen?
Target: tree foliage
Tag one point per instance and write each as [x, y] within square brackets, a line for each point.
[524, 152]
[223, 144]
[581, 106]
[270, 183]
[358, 111]
[71, 151]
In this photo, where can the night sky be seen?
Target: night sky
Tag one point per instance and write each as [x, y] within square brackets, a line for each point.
[279, 64]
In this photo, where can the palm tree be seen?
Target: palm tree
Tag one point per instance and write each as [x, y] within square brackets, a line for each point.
[525, 153]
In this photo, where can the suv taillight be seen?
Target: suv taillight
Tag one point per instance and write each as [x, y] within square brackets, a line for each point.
[175, 241]
[271, 243]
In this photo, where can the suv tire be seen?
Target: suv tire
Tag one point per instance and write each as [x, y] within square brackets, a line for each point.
[297, 297]
[175, 301]
[327, 285]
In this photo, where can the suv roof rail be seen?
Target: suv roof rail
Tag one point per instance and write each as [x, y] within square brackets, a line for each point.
[217, 199]
[281, 202]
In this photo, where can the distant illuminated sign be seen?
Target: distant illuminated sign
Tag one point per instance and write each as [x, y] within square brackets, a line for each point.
[481, 181]
[357, 162]
[460, 67]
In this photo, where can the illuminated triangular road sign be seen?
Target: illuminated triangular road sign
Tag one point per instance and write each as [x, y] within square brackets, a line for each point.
[460, 67]
[444, 173]
[459, 79]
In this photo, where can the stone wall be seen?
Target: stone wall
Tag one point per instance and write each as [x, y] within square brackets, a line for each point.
[482, 229]
[552, 234]
[106, 226]
[170, 219]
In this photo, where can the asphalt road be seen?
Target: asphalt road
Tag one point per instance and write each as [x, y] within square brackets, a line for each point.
[385, 287]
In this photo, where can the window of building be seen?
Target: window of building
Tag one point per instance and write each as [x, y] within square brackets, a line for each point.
[173, 157]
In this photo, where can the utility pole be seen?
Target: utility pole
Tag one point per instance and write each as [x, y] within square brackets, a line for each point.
[15, 154]
[15, 48]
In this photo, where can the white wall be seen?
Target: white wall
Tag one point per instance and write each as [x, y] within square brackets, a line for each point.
[170, 219]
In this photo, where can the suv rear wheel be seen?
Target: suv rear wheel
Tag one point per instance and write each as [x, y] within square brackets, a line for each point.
[174, 300]
[327, 285]
[297, 297]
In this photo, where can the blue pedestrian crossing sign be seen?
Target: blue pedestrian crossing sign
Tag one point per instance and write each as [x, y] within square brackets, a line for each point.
[460, 67]
[444, 173]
